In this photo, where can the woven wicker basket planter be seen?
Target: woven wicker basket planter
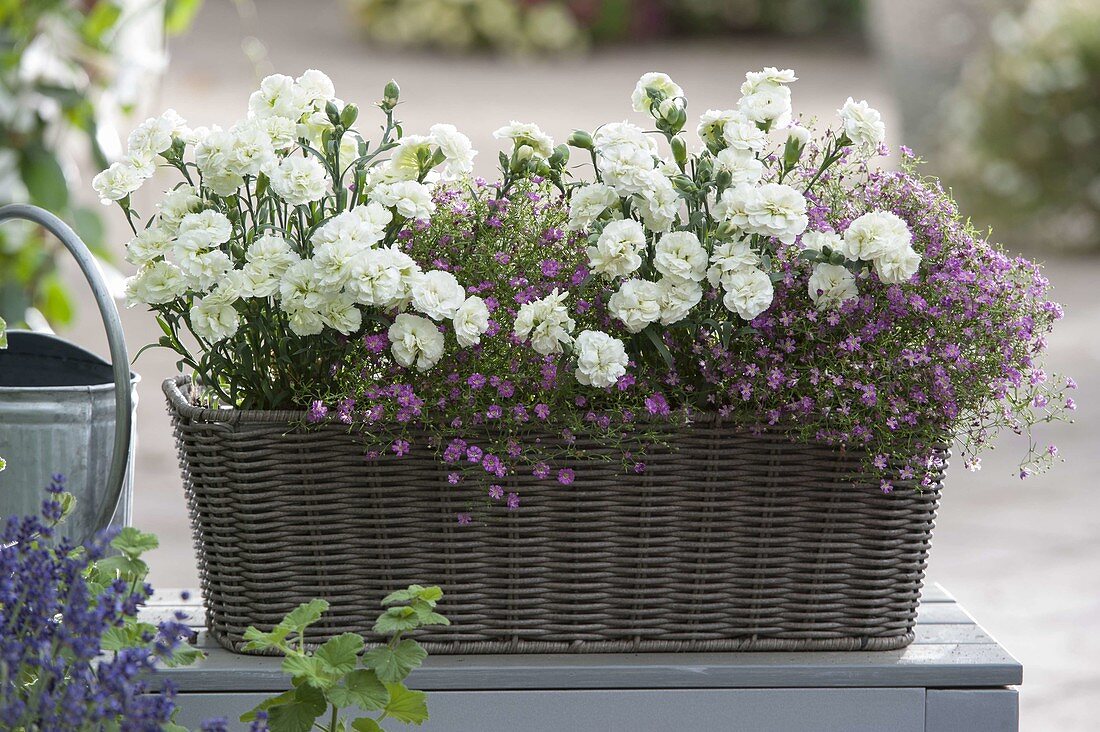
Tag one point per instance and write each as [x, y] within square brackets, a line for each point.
[730, 541]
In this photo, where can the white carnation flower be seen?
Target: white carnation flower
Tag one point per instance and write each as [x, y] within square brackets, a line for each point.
[729, 257]
[315, 86]
[777, 210]
[153, 136]
[376, 279]
[637, 303]
[214, 318]
[659, 204]
[363, 227]
[117, 182]
[282, 132]
[458, 153]
[749, 292]
[299, 181]
[622, 133]
[546, 323]
[175, 205]
[897, 265]
[527, 134]
[680, 256]
[257, 280]
[874, 235]
[202, 230]
[678, 299]
[743, 134]
[340, 313]
[416, 341]
[712, 126]
[618, 249]
[471, 321]
[626, 168]
[206, 269]
[765, 96]
[300, 288]
[734, 204]
[768, 104]
[155, 284]
[863, 125]
[601, 359]
[212, 156]
[278, 96]
[588, 203]
[251, 150]
[438, 294]
[410, 199]
[831, 285]
[333, 261]
[271, 254]
[149, 244]
[742, 166]
[411, 150]
[653, 82]
[303, 321]
[817, 241]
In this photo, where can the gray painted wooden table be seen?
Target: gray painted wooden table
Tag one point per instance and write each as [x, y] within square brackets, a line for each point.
[953, 677]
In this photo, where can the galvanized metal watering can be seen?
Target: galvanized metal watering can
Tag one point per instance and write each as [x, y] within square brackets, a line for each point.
[65, 410]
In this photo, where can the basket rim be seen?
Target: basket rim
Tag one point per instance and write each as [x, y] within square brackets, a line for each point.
[178, 390]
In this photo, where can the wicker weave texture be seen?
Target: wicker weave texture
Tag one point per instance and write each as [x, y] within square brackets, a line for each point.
[728, 541]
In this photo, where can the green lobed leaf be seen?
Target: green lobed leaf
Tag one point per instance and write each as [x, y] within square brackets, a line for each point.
[366, 724]
[123, 567]
[304, 615]
[405, 705]
[396, 620]
[257, 640]
[360, 688]
[299, 714]
[284, 698]
[126, 636]
[133, 543]
[310, 670]
[414, 592]
[393, 664]
[340, 654]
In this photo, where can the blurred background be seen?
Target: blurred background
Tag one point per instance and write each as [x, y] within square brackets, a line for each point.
[1003, 99]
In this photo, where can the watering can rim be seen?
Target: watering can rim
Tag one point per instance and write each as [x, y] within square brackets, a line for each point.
[106, 386]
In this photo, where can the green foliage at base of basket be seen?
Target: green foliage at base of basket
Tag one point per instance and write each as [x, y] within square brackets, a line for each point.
[338, 680]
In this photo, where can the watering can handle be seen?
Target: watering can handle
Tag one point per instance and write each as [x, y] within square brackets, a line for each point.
[120, 361]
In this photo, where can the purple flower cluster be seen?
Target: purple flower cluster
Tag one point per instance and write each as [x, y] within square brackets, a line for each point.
[51, 632]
